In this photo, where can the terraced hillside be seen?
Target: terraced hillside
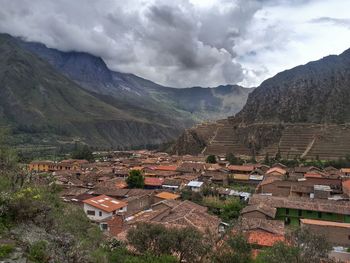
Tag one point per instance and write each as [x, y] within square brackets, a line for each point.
[302, 112]
[309, 141]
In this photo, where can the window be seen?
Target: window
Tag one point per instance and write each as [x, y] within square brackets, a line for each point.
[100, 213]
[90, 212]
[287, 211]
[300, 212]
[319, 214]
[287, 220]
[349, 237]
[104, 226]
[309, 212]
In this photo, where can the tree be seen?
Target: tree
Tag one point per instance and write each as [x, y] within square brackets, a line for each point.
[231, 209]
[232, 159]
[311, 247]
[227, 210]
[135, 179]
[278, 156]
[235, 249]
[151, 238]
[278, 253]
[82, 153]
[11, 174]
[303, 246]
[211, 159]
[188, 244]
[267, 159]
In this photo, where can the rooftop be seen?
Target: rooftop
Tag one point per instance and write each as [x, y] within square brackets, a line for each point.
[150, 181]
[324, 223]
[166, 195]
[105, 203]
[241, 168]
[303, 203]
[195, 184]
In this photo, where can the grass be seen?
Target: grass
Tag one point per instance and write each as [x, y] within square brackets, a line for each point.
[6, 250]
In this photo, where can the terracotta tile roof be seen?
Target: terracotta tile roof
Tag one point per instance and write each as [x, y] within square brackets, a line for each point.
[324, 223]
[166, 195]
[262, 208]
[269, 180]
[190, 214]
[165, 168]
[160, 173]
[276, 170]
[321, 205]
[137, 168]
[241, 168]
[150, 181]
[346, 184]
[190, 167]
[313, 175]
[263, 238]
[172, 182]
[271, 226]
[105, 203]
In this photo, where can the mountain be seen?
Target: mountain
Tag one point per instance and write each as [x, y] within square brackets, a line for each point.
[42, 106]
[318, 92]
[303, 112]
[51, 98]
[189, 105]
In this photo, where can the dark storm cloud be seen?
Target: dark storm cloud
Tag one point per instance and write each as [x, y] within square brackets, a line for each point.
[171, 42]
[177, 43]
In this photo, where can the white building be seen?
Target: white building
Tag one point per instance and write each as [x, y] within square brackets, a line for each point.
[102, 207]
[195, 186]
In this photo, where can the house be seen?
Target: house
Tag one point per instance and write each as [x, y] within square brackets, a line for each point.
[346, 187]
[260, 233]
[195, 186]
[276, 171]
[292, 209]
[153, 183]
[172, 184]
[177, 214]
[70, 164]
[160, 173]
[241, 178]
[337, 234]
[191, 167]
[345, 171]
[113, 226]
[241, 169]
[218, 178]
[102, 207]
[169, 168]
[259, 211]
[165, 196]
[138, 202]
[41, 166]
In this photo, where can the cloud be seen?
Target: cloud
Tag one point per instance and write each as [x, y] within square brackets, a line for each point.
[186, 43]
[331, 20]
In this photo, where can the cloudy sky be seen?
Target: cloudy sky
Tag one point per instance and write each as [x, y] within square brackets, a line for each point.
[184, 43]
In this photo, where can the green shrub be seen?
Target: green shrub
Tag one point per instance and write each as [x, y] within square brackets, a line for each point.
[38, 252]
[5, 250]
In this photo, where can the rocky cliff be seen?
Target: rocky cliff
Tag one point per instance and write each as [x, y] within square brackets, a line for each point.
[318, 92]
[302, 112]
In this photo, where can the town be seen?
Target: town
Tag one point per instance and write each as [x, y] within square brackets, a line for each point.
[121, 189]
